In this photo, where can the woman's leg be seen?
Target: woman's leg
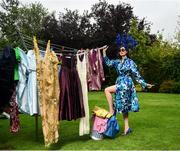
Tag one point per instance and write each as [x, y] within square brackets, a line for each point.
[108, 91]
[126, 122]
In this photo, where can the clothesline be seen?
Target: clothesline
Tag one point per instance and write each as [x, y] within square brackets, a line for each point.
[45, 43]
[29, 64]
[40, 42]
[28, 42]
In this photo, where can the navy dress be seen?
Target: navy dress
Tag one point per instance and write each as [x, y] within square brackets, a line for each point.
[7, 82]
[125, 97]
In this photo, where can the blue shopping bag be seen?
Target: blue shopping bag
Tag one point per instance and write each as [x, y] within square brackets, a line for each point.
[112, 127]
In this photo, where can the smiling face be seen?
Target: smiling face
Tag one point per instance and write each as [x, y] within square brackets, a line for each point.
[122, 52]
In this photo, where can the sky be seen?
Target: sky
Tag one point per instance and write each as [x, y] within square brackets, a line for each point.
[163, 14]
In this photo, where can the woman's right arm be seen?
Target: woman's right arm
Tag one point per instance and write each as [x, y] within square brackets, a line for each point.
[107, 61]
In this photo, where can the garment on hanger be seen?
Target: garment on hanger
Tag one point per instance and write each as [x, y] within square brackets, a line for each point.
[96, 71]
[14, 114]
[18, 59]
[59, 56]
[84, 126]
[26, 97]
[32, 83]
[48, 88]
[7, 65]
[71, 98]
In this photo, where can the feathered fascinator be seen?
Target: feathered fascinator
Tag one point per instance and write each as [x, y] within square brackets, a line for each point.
[126, 41]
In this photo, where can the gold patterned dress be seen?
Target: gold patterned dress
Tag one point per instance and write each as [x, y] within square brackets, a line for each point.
[48, 90]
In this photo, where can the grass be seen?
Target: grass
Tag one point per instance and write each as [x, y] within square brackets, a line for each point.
[156, 126]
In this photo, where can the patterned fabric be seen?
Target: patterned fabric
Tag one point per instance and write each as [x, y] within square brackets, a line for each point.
[48, 86]
[125, 97]
[14, 114]
[100, 124]
[84, 125]
[96, 71]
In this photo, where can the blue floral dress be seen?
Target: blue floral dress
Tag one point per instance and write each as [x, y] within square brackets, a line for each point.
[125, 97]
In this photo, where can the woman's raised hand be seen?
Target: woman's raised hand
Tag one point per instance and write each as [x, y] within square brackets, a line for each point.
[104, 51]
[149, 86]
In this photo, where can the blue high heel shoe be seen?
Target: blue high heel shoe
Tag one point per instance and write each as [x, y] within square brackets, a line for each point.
[128, 132]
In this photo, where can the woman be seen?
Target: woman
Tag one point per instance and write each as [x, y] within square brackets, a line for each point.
[125, 94]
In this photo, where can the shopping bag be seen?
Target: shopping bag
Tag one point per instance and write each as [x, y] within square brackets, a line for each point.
[113, 127]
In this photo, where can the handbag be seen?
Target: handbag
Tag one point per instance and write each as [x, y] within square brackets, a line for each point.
[113, 127]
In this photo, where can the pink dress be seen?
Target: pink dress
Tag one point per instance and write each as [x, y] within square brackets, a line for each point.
[95, 70]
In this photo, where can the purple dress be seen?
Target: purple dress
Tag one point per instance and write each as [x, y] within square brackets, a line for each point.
[71, 98]
[95, 71]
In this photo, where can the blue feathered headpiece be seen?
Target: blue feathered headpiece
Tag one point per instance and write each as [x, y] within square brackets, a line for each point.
[126, 41]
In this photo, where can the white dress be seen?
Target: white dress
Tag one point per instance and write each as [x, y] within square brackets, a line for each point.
[84, 125]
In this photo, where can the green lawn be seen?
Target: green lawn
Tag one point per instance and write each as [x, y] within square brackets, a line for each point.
[156, 126]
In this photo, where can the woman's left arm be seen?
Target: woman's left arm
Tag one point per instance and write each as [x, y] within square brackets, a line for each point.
[136, 74]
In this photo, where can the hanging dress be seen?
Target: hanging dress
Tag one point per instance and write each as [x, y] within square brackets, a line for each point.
[7, 82]
[84, 126]
[71, 98]
[95, 70]
[14, 114]
[26, 96]
[48, 88]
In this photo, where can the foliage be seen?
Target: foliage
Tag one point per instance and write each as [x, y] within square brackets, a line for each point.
[30, 18]
[110, 20]
[157, 60]
[8, 18]
[25, 19]
[170, 87]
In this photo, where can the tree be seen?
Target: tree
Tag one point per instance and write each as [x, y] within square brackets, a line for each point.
[110, 20]
[31, 18]
[26, 19]
[71, 29]
[177, 37]
[8, 18]
[50, 29]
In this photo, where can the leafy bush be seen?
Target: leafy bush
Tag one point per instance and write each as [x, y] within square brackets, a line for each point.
[176, 87]
[170, 87]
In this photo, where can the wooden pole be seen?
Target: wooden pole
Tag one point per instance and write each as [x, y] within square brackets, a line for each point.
[36, 123]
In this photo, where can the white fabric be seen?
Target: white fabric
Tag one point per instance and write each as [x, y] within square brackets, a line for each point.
[84, 126]
[32, 84]
[27, 86]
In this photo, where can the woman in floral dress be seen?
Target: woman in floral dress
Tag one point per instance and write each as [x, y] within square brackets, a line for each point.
[125, 94]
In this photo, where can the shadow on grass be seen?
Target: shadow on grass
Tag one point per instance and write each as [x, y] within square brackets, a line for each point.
[69, 140]
[7, 147]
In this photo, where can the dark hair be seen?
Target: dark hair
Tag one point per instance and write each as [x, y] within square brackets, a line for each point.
[113, 52]
[119, 51]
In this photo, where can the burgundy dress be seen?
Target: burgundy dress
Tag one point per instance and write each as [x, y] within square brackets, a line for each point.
[95, 70]
[71, 98]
